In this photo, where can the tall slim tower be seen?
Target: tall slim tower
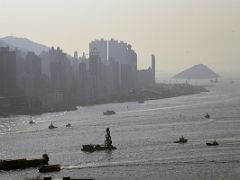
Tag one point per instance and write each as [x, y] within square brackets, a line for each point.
[75, 55]
[153, 68]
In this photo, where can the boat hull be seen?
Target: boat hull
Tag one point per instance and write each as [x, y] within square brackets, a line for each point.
[49, 168]
[7, 165]
[109, 113]
[181, 142]
[92, 148]
[212, 144]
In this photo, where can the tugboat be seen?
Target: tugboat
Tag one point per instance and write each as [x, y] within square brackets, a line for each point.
[68, 125]
[109, 112]
[51, 126]
[181, 140]
[13, 164]
[49, 168]
[106, 146]
[214, 143]
[207, 116]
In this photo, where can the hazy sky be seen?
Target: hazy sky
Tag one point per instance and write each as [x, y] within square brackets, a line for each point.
[181, 33]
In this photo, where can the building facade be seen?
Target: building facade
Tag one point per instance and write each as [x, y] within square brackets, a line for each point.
[7, 72]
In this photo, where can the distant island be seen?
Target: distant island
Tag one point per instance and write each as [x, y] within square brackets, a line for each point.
[199, 71]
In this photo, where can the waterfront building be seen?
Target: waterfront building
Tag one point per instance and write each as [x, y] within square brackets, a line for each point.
[33, 73]
[7, 72]
[83, 80]
[147, 76]
[61, 72]
[94, 73]
[99, 46]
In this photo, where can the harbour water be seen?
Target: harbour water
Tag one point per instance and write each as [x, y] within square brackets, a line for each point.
[143, 134]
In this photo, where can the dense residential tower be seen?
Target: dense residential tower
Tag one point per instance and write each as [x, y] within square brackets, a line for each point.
[33, 72]
[7, 72]
[99, 46]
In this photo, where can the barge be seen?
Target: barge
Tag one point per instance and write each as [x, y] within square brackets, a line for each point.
[13, 164]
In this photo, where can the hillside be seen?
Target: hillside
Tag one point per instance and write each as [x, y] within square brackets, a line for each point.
[23, 44]
[199, 71]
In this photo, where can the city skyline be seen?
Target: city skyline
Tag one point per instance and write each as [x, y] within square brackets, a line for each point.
[180, 34]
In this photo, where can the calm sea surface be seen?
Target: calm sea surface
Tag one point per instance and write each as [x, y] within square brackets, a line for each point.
[143, 134]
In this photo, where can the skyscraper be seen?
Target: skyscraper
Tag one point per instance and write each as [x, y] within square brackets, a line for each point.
[7, 72]
[34, 72]
[99, 46]
[123, 53]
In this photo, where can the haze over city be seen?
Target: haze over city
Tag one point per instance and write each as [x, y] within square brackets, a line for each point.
[119, 89]
[180, 33]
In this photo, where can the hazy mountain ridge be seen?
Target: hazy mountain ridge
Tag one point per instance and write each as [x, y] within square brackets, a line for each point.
[199, 71]
[23, 44]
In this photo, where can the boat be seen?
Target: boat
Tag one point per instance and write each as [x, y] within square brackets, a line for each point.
[68, 125]
[13, 164]
[100, 147]
[181, 140]
[31, 121]
[64, 178]
[97, 147]
[49, 168]
[109, 112]
[214, 143]
[51, 126]
[207, 116]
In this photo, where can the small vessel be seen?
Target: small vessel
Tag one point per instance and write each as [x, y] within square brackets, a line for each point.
[51, 126]
[64, 178]
[214, 143]
[181, 140]
[68, 125]
[31, 121]
[49, 168]
[13, 164]
[207, 116]
[109, 112]
[97, 147]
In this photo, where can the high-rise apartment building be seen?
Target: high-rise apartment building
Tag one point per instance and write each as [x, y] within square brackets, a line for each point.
[7, 72]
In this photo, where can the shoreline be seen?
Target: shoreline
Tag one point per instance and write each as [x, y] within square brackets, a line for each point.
[156, 92]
